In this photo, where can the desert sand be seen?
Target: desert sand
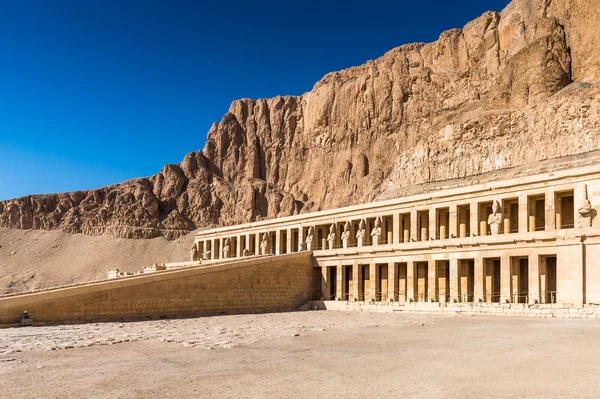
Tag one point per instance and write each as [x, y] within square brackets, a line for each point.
[305, 354]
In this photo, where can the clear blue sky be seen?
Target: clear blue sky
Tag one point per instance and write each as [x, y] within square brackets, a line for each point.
[97, 92]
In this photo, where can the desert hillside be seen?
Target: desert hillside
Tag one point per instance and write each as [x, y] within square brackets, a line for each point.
[33, 259]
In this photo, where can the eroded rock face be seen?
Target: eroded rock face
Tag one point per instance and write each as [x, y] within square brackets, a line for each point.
[508, 89]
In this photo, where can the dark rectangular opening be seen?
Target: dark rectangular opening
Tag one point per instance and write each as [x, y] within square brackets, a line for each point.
[405, 227]
[332, 283]
[443, 286]
[402, 282]
[442, 222]
[421, 281]
[537, 213]
[466, 280]
[464, 221]
[423, 225]
[565, 210]
[347, 282]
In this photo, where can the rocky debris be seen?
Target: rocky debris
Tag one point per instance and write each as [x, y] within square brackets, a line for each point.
[508, 89]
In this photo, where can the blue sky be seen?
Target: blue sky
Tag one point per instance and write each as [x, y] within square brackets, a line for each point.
[100, 91]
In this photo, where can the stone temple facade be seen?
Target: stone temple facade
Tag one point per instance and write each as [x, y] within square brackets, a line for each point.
[527, 240]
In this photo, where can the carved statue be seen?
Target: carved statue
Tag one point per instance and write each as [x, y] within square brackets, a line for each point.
[585, 211]
[331, 236]
[194, 253]
[226, 248]
[376, 232]
[360, 234]
[309, 238]
[264, 243]
[495, 218]
[346, 234]
[246, 252]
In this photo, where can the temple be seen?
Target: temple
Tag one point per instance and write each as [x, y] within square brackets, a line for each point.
[525, 240]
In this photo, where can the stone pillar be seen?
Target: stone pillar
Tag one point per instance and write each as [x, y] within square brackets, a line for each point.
[432, 281]
[238, 246]
[534, 278]
[301, 238]
[393, 281]
[396, 228]
[505, 279]
[433, 233]
[352, 239]
[340, 282]
[531, 215]
[410, 280]
[454, 280]
[523, 214]
[324, 283]
[257, 244]
[488, 267]
[288, 241]
[453, 221]
[248, 244]
[414, 225]
[550, 211]
[277, 241]
[372, 282]
[474, 218]
[478, 294]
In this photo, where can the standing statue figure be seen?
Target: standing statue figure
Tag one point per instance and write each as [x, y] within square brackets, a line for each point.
[264, 243]
[495, 218]
[194, 253]
[376, 232]
[360, 234]
[585, 211]
[309, 238]
[331, 236]
[226, 248]
[346, 234]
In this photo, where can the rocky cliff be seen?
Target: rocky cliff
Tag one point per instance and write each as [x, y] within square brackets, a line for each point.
[508, 89]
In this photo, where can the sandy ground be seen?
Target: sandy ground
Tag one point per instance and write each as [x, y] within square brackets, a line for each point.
[305, 354]
[33, 259]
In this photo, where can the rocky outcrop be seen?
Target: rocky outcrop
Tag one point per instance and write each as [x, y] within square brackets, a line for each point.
[509, 89]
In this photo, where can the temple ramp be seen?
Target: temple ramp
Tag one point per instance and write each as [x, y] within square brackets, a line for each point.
[261, 284]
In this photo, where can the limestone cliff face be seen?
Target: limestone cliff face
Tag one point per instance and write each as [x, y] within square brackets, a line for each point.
[509, 89]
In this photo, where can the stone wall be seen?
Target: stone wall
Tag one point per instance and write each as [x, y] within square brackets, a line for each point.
[278, 283]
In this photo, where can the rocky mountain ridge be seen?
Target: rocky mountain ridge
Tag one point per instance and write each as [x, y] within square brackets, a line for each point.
[508, 89]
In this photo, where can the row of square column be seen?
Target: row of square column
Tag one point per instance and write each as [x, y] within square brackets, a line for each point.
[410, 284]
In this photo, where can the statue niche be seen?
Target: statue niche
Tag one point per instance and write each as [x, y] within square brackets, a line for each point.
[346, 234]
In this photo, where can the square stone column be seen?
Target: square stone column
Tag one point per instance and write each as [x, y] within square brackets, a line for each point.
[478, 294]
[433, 233]
[534, 278]
[453, 221]
[523, 214]
[257, 244]
[410, 280]
[550, 211]
[288, 241]
[393, 281]
[355, 281]
[454, 280]
[340, 282]
[373, 279]
[248, 244]
[213, 252]
[505, 281]
[414, 225]
[324, 283]
[543, 266]
[395, 228]
[238, 246]
[277, 241]
[474, 218]
[432, 281]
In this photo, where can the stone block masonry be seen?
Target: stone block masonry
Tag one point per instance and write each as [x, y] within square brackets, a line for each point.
[277, 283]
